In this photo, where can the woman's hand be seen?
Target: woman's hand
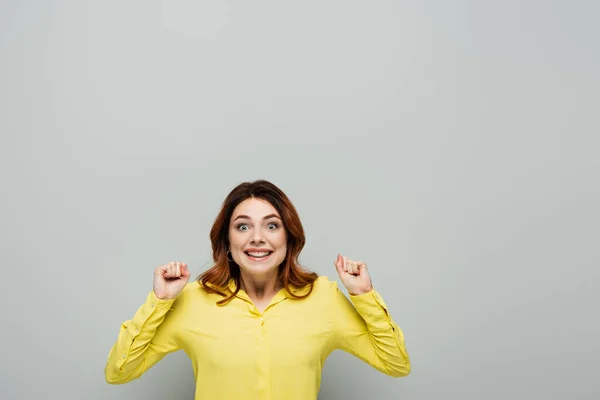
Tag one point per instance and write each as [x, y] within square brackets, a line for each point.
[170, 279]
[354, 275]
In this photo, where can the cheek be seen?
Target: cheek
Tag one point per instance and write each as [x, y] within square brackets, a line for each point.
[236, 239]
[281, 240]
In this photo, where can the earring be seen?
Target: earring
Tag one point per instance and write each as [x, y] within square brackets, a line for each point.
[228, 253]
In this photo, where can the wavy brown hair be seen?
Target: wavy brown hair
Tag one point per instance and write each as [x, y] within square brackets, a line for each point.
[216, 279]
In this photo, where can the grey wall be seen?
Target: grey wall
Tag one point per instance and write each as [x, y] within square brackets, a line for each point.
[453, 145]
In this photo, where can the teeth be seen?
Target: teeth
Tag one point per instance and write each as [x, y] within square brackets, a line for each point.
[263, 254]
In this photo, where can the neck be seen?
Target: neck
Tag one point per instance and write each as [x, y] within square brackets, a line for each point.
[259, 287]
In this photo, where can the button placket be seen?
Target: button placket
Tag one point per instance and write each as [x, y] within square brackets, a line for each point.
[263, 357]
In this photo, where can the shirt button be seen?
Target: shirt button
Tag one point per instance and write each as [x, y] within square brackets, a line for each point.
[124, 356]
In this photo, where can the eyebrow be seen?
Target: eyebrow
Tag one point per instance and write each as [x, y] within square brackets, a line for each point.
[242, 216]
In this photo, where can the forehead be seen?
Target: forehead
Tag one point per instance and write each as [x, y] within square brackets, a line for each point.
[254, 208]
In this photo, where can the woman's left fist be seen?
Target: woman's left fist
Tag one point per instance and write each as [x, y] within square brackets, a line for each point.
[354, 275]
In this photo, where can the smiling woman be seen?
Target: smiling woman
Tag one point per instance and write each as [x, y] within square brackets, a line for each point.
[258, 325]
[257, 217]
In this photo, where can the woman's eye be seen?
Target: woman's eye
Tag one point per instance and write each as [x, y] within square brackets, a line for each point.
[273, 225]
[242, 227]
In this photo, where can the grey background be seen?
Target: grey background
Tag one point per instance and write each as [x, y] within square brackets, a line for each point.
[452, 145]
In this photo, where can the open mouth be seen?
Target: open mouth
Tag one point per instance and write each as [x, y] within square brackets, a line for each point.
[258, 255]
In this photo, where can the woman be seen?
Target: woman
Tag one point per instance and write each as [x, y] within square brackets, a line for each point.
[257, 325]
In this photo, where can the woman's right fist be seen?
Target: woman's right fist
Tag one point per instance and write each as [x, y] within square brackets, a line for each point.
[170, 279]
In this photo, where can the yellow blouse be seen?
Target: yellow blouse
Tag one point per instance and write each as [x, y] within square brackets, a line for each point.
[240, 353]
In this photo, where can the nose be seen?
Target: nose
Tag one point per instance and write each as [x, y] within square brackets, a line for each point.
[257, 237]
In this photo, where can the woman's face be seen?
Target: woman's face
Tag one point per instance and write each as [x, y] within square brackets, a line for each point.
[257, 237]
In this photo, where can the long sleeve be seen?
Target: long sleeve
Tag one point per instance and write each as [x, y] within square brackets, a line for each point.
[364, 328]
[142, 341]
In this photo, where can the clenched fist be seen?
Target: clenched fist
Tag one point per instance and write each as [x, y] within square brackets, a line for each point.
[354, 275]
[170, 279]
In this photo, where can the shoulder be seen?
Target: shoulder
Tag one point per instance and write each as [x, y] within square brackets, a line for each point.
[323, 282]
[192, 292]
[324, 287]
[190, 289]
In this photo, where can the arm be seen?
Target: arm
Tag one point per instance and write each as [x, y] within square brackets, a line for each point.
[150, 335]
[364, 328]
[142, 341]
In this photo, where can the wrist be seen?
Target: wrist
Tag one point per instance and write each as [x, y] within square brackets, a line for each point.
[360, 291]
[163, 297]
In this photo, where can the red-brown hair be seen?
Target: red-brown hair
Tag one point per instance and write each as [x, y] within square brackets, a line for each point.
[216, 279]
